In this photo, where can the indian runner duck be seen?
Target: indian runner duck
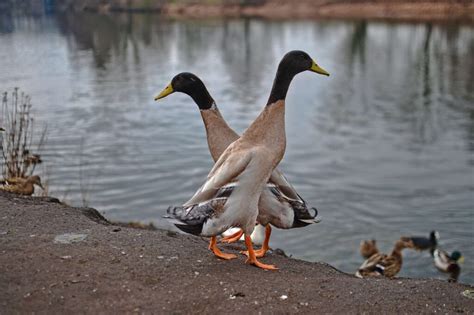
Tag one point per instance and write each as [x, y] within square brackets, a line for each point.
[280, 205]
[381, 264]
[368, 248]
[424, 243]
[230, 195]
[22, 186]
[448, 263]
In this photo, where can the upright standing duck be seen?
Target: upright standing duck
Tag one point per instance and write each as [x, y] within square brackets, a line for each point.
[229, 197]
[280, 204]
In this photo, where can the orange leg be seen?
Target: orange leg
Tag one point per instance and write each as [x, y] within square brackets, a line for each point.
[252, 259]
[233, 238]
[213, 247]
[265, 247]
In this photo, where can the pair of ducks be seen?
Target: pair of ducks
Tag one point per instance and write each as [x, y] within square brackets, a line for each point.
[244, 186]
[21, 186]
[378, 264]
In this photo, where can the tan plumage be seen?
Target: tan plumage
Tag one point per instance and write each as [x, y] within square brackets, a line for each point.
[279, 204]
[21, 186]
[368, 248]
[245, 166]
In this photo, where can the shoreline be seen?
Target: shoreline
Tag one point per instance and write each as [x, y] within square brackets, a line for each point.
[56, 258]
[398, 10]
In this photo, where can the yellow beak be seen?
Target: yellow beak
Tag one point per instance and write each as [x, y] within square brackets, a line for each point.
[167, 91]
[318, 69]
[461, 260]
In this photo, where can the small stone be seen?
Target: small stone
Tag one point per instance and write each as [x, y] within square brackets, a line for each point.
[66, 257]
[123, 253]
[196, 273]
[161, 257]
[69, 238]
[283, 297]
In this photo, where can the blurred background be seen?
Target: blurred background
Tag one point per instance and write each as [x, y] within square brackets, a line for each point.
[383, 147]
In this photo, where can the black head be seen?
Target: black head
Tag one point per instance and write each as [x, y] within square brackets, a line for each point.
[297, 61]
[456, 255]
[294, 62]
[191, 85]
[434, 236]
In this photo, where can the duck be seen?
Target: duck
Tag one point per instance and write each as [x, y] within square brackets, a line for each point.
[380, 264]
[421, 243]
[368, 248]
[279, 205]
[21, 186]
[448, 263]
[230, 195]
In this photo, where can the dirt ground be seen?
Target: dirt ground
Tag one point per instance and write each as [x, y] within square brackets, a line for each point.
[104, 268]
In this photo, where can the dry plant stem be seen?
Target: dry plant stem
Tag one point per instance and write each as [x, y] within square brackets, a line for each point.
[16, 118]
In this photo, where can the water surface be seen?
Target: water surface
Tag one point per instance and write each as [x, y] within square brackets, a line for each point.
[383, 147]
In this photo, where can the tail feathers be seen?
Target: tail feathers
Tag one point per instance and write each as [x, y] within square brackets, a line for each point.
[303, 217]
[195, 229]
[191, 219]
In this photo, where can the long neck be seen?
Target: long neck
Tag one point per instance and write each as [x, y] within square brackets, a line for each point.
[219, 134]
[397, 250]
[281, 83]
[202, 98]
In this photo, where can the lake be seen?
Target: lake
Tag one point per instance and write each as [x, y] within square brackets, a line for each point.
[383, 147]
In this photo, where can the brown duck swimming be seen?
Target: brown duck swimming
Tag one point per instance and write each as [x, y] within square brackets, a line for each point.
[22, 186]
[380, 264]
[230, 195]
[280, 204]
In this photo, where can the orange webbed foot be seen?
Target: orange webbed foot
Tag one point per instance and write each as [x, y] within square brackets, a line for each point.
[252, 258]
[232, 238]
[258, 264]
[213, 247]
[259, 253]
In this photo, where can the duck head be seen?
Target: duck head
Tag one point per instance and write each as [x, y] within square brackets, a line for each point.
[457, 256]
[368, 248]
[291, 64]
[434, 236]
[297, 61]
[190, 84]
[35, 180]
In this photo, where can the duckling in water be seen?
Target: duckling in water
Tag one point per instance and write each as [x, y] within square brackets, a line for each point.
[423, 243]
[384, 265]
[22, 186]
[368, 248]
[448, 263]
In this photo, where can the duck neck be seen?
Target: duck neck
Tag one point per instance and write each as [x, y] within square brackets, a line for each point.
[397, 250]
[219, 134]
[281, 83]
[202, 98]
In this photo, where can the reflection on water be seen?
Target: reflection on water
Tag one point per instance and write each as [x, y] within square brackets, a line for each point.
[383, 147]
